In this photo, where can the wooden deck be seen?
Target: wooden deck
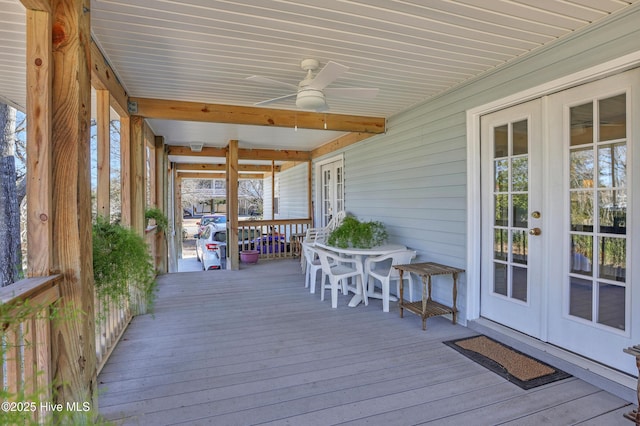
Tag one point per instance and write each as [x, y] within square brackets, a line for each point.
[254, 347]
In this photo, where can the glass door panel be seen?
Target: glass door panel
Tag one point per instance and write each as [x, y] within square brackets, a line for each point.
[598, 212]
[511, 209]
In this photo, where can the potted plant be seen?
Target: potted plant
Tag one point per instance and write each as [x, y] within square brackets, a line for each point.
[159, 217]
[357, 234]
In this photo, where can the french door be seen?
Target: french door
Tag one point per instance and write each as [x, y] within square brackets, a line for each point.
[559, 190]
[512, 217]
[594, 295]
[331, 190]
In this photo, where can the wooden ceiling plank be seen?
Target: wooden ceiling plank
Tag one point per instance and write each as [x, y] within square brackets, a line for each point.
[217, 113]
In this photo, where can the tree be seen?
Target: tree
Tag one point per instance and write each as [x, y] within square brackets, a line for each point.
[253, 191]
[10, 248]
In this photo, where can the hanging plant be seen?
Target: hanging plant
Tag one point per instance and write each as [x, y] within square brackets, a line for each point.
[159, 217]
[122, 266]
[353, 233]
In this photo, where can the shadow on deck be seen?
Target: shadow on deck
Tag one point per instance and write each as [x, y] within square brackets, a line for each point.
[254, 347]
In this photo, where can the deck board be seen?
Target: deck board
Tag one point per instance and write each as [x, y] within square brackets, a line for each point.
[254, 347]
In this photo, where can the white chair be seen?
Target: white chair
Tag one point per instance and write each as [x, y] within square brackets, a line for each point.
[311, 236]
[338, 270]
[336, 220]
[381, 268]
[313, 265]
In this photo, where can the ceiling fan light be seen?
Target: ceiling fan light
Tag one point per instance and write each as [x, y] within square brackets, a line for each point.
[310, 99]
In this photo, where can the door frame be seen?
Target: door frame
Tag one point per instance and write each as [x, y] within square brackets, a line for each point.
[606, 69]
[317, 214]
[474, 225]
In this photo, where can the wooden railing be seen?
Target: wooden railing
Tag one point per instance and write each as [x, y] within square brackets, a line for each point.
[111, 321]
[274, 239]
[26, 342]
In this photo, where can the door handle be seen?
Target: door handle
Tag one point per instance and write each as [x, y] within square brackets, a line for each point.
[535, 231]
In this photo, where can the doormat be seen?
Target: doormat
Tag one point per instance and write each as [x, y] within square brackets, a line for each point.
[513, 365]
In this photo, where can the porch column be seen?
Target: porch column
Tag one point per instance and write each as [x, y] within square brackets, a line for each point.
[161, 157]
[138, 186]
[39, 160]
[73, 340]
[125, 171]
[310, 191]
[233, 256]
[178, 209]
[104, 154]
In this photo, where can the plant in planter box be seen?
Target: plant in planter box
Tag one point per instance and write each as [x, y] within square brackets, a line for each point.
[159, 217]
[122, 266]
[353, 233]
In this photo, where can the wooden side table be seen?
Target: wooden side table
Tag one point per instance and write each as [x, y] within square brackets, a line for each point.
[428, 307]
[634, 415]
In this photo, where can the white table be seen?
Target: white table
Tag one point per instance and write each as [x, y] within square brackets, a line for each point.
[360, 254]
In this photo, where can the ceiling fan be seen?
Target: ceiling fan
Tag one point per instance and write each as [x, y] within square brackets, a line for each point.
[310, 92]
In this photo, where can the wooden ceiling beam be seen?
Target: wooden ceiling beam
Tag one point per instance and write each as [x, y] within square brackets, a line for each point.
[209, 175]
[339, 143]
[217, 113]
[41, 5]
[103, 78]
[221, 167]
[207, 151]
[273, 155]
[243, 153]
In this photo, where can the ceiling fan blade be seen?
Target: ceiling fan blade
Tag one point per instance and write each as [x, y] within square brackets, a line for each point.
[281, 98]
[326, 75]
[351, 92]
[271, 82]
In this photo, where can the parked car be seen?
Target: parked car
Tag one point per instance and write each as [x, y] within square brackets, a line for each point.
[219, 222]
[211, 248]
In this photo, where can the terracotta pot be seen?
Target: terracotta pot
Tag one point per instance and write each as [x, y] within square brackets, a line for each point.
[249, 256]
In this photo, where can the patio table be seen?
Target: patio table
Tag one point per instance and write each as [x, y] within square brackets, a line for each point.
[360, 254]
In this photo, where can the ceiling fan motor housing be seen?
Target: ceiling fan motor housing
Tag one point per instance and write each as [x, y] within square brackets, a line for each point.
[310, 99]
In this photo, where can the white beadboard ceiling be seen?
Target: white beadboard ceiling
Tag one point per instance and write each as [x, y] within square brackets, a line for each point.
[203, 51]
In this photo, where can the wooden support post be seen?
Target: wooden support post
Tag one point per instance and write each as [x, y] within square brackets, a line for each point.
[178, 209]
[273, 191]
[160, 159]
[125, 171]
[138, 186]
[39, 179]
[309, 192]
[103, 154]
[73, 340]
[233, 256]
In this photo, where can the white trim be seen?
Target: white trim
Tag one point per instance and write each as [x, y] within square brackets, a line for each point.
[318, 184]
[615, 66]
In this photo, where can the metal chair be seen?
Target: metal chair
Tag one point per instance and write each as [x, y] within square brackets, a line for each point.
[381, 268]
[338, 270]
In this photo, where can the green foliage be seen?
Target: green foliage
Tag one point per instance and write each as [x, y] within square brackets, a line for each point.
[161, 220]
[122, 266]
[353, 233]
[20, 407]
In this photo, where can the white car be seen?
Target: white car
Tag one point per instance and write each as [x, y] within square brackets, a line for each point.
[211, 248]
